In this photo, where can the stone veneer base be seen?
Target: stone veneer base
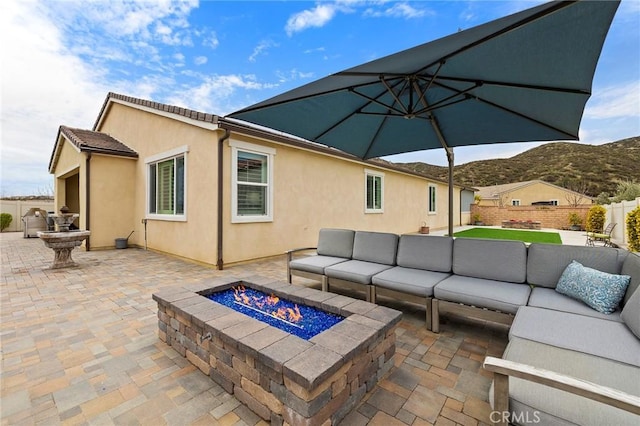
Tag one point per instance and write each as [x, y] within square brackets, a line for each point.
[282, 378]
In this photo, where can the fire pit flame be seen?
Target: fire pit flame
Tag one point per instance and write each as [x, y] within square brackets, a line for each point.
[268, 305]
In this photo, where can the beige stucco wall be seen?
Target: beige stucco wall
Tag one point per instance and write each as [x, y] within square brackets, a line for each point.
[68, 186]
[112, 198]
[150, 134]
[537, 192]
[311, 191]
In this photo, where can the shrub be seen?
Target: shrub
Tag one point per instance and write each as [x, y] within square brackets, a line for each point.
[595, 218]
[633, 229]
[5, 221]
[575, 219]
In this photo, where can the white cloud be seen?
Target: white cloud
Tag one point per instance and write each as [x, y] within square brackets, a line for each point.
[211, 41]
[261, 49]
[200, 60]
[216, 94]
[615, 102]
[397, 10]
[317, 17]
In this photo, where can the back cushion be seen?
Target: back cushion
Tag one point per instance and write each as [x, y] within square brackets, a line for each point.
[631, 267]
[377, 247]
[336, 242]
[431, 253]
[547, 262]
[499, 260]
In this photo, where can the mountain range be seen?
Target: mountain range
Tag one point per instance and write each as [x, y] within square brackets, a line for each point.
[589, 169]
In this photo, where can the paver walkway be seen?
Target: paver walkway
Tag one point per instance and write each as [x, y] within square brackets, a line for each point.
[80, 346]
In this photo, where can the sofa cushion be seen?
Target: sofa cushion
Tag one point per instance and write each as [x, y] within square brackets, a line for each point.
[600, 290]
[549, 298]
[409, 280]
[631, 267]
[555, 407]
[356, 271]
[499, 260]
[631, 313]
[376, 247]
[607, 339]
[429, 252]
[547, 262]
[315, 264]
[335, 242]
[491, 294]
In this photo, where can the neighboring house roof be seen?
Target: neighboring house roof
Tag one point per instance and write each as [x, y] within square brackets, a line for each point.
[495, 191]
[90, 141]
[213, 121]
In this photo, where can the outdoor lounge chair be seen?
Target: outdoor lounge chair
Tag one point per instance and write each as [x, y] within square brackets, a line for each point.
[604, 236]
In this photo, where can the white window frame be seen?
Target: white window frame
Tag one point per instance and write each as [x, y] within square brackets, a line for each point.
[515, 202]
[374, 174]
[432, 209]
[259, 150]
[180, 151]
[555, 202]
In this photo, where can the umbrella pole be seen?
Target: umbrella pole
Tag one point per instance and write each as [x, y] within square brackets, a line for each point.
[449, 151]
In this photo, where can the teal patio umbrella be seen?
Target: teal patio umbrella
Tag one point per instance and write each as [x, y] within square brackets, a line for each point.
[524, 77]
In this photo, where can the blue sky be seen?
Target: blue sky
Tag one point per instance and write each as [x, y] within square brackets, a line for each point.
[61, 58]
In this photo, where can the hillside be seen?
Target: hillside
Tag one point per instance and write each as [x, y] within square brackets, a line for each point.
[596, 168]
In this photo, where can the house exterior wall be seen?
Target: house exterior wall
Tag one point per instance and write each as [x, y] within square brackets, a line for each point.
[112, 197]
[537, 192]
[68, 182]
[150, 134]
[312, 190]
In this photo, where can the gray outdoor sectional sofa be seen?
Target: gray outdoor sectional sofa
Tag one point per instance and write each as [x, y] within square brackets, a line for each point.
[565, 363]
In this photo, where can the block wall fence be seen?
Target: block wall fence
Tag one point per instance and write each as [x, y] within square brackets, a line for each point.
[555, 217]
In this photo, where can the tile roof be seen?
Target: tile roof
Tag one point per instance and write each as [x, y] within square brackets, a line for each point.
[87, 140]
[230, 124]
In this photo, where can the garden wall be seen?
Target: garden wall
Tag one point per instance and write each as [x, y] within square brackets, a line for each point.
[556, 217]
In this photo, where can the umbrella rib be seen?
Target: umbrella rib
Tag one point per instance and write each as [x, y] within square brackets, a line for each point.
[526, 117]
[516, 85]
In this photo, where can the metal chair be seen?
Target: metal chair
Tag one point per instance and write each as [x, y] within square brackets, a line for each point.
[604, 236]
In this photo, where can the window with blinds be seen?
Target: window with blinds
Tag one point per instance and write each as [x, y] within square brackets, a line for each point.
[374, 192]
[166, 186]
[252, 186]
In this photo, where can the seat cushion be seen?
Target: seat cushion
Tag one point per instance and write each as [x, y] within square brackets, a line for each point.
[600, 290]
[429, 252]
[548, 298]
[631, 313]
[315, 264]
[408, 280]
[631, 267]
[498, 260]
[491, 294]
[555, 407]
[375, 247]
[335, 242]
[547, 262]
[606, 339]
[356, 271]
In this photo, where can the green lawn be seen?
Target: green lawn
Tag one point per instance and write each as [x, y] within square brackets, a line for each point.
[511, 234]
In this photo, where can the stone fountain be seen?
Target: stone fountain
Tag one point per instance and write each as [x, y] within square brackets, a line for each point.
[63, 240]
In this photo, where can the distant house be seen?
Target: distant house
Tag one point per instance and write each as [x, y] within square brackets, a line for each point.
[533, 192]
[219, 191]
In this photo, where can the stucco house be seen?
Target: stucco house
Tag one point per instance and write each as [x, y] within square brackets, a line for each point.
[219, 191]
[530, 193]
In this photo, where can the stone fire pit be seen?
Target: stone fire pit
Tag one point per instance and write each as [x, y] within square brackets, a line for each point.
[282, 378]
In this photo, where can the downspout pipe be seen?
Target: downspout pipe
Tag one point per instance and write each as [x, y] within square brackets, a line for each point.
[87, 207]
[221, 140]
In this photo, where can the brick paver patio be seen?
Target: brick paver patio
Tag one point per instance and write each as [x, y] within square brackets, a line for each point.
[80, 346]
